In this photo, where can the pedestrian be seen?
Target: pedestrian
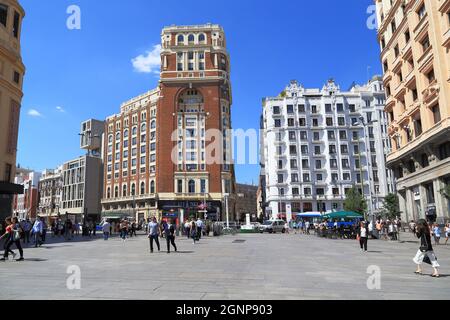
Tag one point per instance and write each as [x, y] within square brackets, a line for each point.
[187, 228]
[169, 231]
[37, 231]
[425, 252]
[13, 235]
[68, 229]
[307, 227]
[193, 230]
[133, 229]
[60, 227]
[412, 227]
[123, 230]
[94, 229]
[300, 226]
[363, 235]
[44, 230]
[199, 224]
[437, 234]
[153, 234]
[447, 232]
[26, 227]
[106, 228]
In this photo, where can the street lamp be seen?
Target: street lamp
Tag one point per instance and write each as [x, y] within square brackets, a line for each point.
[365, 124]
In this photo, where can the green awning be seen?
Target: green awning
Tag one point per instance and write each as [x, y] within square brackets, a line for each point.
[342, 215]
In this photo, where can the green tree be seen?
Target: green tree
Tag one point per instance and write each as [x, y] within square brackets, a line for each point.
[391, 208]
[355, 202]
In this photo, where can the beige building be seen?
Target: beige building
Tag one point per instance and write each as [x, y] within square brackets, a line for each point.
[11, 80]
[415, 41]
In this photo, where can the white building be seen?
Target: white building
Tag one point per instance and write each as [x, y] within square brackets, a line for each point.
[50, 187]
[315, 148]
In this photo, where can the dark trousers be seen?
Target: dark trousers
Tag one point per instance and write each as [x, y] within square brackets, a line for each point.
[188, 232]
[44, 233]
[26, 237]
[156, 238]
[8, 248]
[37, 239]
[171, 240]
[363, 243]
[199, 233]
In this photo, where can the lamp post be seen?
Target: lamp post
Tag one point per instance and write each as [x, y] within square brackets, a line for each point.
[365, 124]
[226, 209]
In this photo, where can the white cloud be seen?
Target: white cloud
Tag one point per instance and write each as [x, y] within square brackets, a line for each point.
[60, 109]
[149, 62]
[34, 113]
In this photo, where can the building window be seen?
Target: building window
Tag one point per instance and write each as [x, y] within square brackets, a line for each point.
[152, 187]
[133, 189]
[180, 186]
[124, 191]
[203, 186]
[116, 192]
[202, 38]
[421, 12]
[180, 39]
[142, 188]
[436, 114]
[16, 77]
[3, 14]
[16, 24]
[8, 172]
[191, 186]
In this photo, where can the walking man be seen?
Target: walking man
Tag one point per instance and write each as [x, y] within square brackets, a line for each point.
[169, 232]
[38, 229]
[26, 229]
[13, 236]
[106, 228]
[153, 234]
[199, 224]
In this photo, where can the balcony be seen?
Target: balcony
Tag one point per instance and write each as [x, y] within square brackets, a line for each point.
[446, 39]
[431, 93]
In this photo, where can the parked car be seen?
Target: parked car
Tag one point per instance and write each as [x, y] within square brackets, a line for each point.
[273, 226]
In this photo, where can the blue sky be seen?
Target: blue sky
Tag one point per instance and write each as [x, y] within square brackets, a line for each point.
[74, 75]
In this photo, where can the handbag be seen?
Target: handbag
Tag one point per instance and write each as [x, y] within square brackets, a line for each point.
[427, 259]
[16, 235]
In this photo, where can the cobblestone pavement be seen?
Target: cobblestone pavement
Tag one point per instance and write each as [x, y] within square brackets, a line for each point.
[261, 266]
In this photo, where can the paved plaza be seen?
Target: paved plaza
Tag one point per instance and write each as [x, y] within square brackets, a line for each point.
[259, 266]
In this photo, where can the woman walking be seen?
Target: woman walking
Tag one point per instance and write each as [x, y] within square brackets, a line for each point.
[123, 230]
[13, 237]
[447, 232]
[193, 230]
[425, 249]
[363, 235]
[437, 234]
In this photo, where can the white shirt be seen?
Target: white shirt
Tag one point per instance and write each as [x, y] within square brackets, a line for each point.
[199, 223]
[106, 226]
[363, 233]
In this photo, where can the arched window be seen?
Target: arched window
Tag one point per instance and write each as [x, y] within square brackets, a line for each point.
[152, 187]
[180, 39]
[108, 193]
[134, 131]
[110, 138]
[116, 192]
[202, 38]
[153, 124]
[191, 186]
[142, 188]
[125, 134]
[143, 128]
[133, 189]
[124, 190]
[117, 136]
[191, 38]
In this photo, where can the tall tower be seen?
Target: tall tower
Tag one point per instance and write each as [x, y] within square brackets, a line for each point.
[195, 103]
[11, 81]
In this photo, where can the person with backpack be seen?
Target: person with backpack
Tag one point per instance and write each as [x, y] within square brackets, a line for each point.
[425, 252]
[169, 231]
[13, 235]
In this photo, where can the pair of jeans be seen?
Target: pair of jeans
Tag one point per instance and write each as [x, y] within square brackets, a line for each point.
[156, 239]
[363, 243]
[123, 234]
[37, 239]
[8, 248]
[106, 235]
[171, 240]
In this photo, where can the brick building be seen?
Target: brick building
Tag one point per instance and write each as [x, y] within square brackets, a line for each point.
[168, 152]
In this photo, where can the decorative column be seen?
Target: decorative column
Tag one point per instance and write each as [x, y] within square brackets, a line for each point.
[402, 200]
[440, 200]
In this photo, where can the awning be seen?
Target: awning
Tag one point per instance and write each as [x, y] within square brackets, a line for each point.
[343, 215]
[11, 188]
[309, 215]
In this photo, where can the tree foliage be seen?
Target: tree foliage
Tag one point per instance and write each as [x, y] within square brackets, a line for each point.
[355, 202]
[391, 208]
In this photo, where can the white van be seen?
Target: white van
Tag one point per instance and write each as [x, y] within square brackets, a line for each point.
[273, 226]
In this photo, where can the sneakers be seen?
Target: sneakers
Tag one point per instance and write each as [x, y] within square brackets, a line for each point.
[20, 259]
[2, 259]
